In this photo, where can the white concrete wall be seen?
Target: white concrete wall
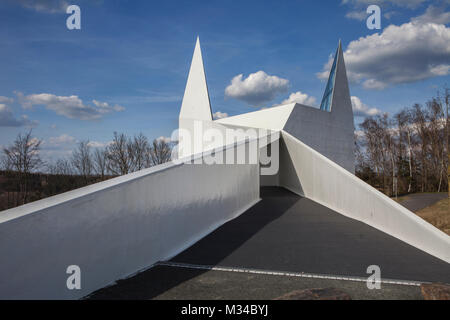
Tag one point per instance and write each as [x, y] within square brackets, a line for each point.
[325, 132]
[118, 227]
[312, 175]
[271, 118]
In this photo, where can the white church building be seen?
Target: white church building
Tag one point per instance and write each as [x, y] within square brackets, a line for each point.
[116, 228]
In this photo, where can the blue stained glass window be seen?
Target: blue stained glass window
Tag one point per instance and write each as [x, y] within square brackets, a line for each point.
[328, 94]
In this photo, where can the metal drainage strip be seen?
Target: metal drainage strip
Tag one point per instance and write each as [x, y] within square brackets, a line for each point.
[283, 273]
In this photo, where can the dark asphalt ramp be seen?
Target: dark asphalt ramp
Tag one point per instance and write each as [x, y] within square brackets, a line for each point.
[285, 232]
[172, 283]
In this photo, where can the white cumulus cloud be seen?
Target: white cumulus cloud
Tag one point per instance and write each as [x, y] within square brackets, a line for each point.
[257, 88]
[71, 107]
[300, 98]
[220, 115]
[400, 54]
[105, 107]
[47, 6]
[362, 110]
[434, 15]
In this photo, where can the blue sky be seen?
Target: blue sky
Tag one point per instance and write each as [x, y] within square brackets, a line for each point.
[126, 68]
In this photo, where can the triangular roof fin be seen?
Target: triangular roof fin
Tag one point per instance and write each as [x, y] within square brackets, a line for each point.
[196, 103]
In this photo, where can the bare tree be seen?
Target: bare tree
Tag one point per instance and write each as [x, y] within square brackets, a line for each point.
[359, 154]
[160, 152]
[373, 144]
[120, 155]
[411, 148]
[436, 148]
[419, 119]
[447, 135]
[380, 143]
[403, 120]
[5, 163]
[61, 167]
[23, 157]
[100, 162]
[82, 160]
[140, 149]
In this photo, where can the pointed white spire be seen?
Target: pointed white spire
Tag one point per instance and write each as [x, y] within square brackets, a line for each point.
[341, 102]
[196, 103]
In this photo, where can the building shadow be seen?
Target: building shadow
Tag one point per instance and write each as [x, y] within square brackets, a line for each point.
[209, 251]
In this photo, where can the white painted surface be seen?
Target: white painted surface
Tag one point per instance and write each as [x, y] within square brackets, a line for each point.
[330, 133]
[199, 136]
[118, 227]
[272, 118]
[325, 132]
[310, 174]
[196, 104]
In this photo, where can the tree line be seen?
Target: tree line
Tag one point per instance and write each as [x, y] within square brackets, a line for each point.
[408, 151]
[26, 177]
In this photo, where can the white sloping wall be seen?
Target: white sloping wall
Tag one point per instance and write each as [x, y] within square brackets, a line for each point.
[118, 227]
[310, 174]
[272, 118]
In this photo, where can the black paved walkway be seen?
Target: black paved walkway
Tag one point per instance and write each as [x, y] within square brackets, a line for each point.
[170, 283]
[285, 232]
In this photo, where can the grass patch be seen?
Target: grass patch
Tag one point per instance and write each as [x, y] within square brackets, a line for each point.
[438, 215]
